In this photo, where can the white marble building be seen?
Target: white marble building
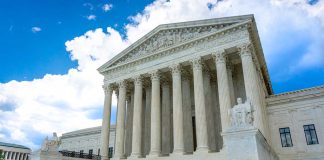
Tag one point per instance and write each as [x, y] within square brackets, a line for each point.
[14, 151]
[177, 88]
[74, 145]
[85, 140]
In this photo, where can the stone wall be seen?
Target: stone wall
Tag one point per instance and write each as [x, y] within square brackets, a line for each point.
[293, 110]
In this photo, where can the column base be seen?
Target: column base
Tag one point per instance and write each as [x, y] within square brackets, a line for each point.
[178, 152]
[202, 150]
[104, 158]
[135, 156]
[154, 154]
[117, 157]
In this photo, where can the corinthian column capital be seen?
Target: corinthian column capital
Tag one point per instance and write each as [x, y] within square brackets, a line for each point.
[122, 84]
[196, 63]
[138, 80]
[155, 75]
[175, 68]
[108, 88]
[245, 49]
[219, 56]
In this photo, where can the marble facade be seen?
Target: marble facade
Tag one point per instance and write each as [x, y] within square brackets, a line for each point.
[177, 87]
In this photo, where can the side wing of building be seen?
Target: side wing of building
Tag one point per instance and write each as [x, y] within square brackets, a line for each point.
[86, 141]
[296, 122]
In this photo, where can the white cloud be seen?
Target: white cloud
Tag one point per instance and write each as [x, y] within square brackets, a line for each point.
[291, 35]
[107, 7]
[59, 103]
[91, 17]
[36, 29]
[89, 5]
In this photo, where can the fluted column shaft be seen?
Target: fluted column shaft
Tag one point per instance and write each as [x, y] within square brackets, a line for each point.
[177, 110]
[9, 155]
[137, 118]
[106, 123]
[166, 119]
[200, 107]
[5, 154]
[120, 126]
[129, 124]
[155, 115]
[251, 84]
[230, 82]
[187, 114]
[223, 89]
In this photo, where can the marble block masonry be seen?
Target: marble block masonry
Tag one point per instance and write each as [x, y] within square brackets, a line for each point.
[196, 90]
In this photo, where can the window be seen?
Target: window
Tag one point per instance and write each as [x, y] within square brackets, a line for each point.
[285, 137]
[98, 151]
[310, 134]
[110, 152]
[90, 153]
[81, 153]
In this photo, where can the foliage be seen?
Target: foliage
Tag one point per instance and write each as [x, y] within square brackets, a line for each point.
[2, 156]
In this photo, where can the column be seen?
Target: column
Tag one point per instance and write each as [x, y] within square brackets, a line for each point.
[147, 120]
[9, 155]
[5, 154]
[106, 122]
[210, 111]
[23, 156]
[14, 155]
[137, 118]
[230, 82]
[166, 118]
[155, 115]
[223, 89]
[251, 84]
[129, 125]
[187, 113]
[19, 154]
[200, 107]
[177, 110]
[120, 126]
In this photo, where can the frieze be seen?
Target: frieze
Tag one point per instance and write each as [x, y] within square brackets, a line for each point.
[167, 38]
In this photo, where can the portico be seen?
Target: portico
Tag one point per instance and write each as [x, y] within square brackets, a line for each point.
[177, 84]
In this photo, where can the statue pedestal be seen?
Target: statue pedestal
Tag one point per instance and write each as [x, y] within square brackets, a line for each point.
[247, 144]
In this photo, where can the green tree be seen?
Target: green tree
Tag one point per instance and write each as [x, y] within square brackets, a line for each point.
[2, 156]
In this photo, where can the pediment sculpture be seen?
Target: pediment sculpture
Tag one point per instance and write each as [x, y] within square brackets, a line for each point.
[241, 115]
[166, 38]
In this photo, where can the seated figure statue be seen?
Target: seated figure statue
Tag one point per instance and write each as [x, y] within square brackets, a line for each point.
[241, 115]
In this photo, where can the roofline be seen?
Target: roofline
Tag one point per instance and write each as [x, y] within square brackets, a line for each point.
[13, 145]
[160, 27]
[86, 130]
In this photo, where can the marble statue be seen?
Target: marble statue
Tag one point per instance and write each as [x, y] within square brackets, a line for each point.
[241, 114]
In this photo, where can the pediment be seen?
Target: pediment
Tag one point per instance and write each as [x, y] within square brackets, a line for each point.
[169, 35]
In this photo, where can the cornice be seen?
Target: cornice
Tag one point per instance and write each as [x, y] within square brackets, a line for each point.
[297, 95]
[84, 132]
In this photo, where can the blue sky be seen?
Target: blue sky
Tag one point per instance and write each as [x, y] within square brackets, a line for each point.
[50, 51]
[26, 55]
